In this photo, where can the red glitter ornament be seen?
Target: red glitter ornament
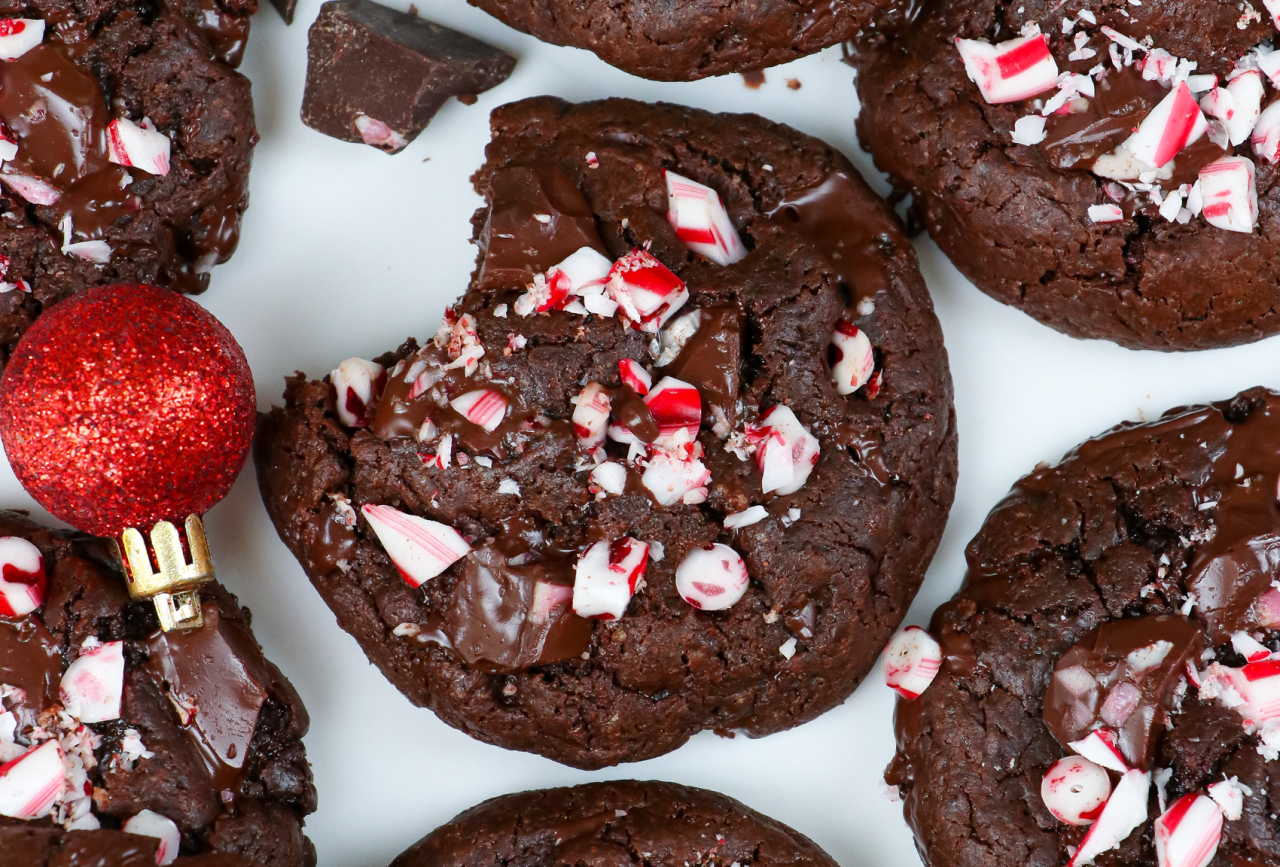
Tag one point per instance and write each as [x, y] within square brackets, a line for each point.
[124, 406]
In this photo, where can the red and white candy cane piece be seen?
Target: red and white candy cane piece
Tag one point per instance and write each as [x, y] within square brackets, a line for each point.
[609, 477]
[785, 452]
[1012, 70]
[356, 383]
[1250, 648]
[548, 291]
[1273, 6]
[1246, 92]
[700, 220]
[711, 578]
[1187, 834]
[1125, 810]
[1100, 747]
[151, 824]
[671, 479]
[92, 685]
[606, 577]
[1174, 123]
[911, 662]
[591, 415]
[31, 188]
[586, 270]
[1266, 608]
[419, 548]
[1074, 789]
[1229, 796]
[548, 599]
[484, 406]
[31, 783]
[8, 146]
[635, 376]
[646, 290]
[376, 133]
[1258, 683]
[1266, 134]
[1229, 193]
[850, 357]
[1106, 213]
[22, 577]
[675, 405]
[142, 147]
[19, 35]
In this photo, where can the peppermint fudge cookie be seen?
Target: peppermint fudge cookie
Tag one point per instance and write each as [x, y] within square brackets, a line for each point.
[676, 461]
[125, 746]
[611, 823]
[126, 137]
[695, 38]
[1109, 668]
[1108, 168]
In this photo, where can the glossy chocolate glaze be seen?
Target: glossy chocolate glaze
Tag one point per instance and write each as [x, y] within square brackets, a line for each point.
[517, 244]
[227, 34]
[30, 660]
[1105, 655]
[712, 361]
[1122, 99]
[629, 410]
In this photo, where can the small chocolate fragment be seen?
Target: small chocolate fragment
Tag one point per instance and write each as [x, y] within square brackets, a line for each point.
[378, 76]
[286, 8]
[1122, 676]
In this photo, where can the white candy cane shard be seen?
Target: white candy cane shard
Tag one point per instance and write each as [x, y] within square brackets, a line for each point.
[586, 270]
[1252, 650]
[1229, 193]
[93, 685]
[1074, 789]
[1010, 71]
[375, 133]
[1028, 130]
[591, 415]
[852, 360]
[635, 376]
[1125, 810]
[31, 783]
[1246, 90]
[646, 290]
[1187, 834]
[19, 35]
[711, 578]
[22, 577]
[356, 383]
[600, 305]
[672, 479]
[1266, 134]
[745, 518]
[1229, 796]
[1273, 6]
[137, 147]
[8, 144]
[785, 452]
[485, 407]
[911, 662]
[674, 337]
[34, 190]
[1174, 123]
[1100, 747]
[419, 548]
[150, 824]
[606, 577]
[1266, 608]
[1269, 65]
[700, 220]
[548, 598]
[675, 406]
[609, 478]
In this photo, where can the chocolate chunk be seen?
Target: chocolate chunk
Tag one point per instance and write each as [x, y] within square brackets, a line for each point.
[378, 76]
[286, 8]
[31, 661]
[1122, 676]
[712, 361]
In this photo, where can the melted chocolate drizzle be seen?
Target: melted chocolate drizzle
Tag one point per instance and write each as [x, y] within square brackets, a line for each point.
[31, 661]
[712, 361]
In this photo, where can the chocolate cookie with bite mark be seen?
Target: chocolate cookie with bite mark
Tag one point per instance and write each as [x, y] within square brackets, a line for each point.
[611, 823]
[698, 38]
[127, 137]
[631, 491]
[1109, 666]
[122, 745]
[1108, 169]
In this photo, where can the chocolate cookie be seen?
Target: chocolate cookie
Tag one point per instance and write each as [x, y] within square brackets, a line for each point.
[1108, 168]
[694, 39]
[127, 137]
[1107, 666]
[188, 741]
[613, 823]
[781, 453]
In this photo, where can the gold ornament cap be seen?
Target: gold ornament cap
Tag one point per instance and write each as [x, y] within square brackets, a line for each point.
[173, 582]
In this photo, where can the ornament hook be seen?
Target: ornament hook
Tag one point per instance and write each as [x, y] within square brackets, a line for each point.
[173, 586]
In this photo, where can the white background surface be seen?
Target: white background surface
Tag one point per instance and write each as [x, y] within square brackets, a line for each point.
[346, 251]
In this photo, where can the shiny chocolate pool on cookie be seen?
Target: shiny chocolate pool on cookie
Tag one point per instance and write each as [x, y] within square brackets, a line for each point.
[676, 461]
[613, 823]
[125, 141]
[1108, 168]
[1107, 686]
[125, 746]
